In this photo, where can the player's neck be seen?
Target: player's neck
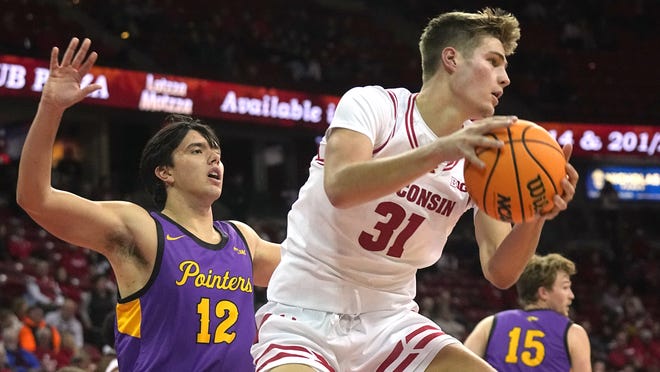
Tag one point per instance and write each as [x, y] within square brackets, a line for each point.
[197, 220]
[442, 119]
[438, 108]
[536, 307]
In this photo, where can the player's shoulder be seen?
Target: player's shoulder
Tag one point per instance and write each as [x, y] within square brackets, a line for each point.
[241, 228]
[377, 92]
[488, 321]
[577, 335]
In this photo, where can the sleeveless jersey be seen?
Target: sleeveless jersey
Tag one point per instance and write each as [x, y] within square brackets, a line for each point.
[529, 341]
[196, 313]
[365, 258]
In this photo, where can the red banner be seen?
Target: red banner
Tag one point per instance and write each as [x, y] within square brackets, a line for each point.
[147, 91]
[607, 139]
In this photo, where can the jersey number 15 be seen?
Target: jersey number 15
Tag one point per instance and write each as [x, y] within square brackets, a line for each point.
[531, 342]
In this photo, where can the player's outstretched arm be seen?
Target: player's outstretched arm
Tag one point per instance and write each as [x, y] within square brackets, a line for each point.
[69, 217]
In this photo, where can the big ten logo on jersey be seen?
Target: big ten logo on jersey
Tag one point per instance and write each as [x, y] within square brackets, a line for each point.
[455, 182]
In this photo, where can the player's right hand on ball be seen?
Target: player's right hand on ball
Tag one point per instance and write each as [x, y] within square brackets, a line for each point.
[464, 142]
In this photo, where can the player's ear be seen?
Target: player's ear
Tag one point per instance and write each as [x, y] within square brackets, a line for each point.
[163, 173]
[448, 59]
[542, 293]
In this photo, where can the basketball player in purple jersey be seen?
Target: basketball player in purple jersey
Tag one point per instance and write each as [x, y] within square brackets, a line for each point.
[383, 194]
[540, 337]
[185, 281]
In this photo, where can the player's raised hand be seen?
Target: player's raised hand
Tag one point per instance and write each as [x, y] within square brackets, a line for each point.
[62, 89]
[464, 143]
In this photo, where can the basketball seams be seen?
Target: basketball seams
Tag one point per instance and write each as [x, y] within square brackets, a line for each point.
[524, 141]
[488, 178]
[540, 164]
[490, 174]
[509, 177]
[515, 168]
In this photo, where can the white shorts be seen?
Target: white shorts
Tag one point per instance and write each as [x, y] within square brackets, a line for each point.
[382, 341]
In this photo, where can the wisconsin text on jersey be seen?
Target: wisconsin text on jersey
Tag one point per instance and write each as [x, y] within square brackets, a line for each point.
[190, 270]
[427, 199]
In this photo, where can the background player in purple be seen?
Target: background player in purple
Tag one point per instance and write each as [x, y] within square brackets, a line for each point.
[540, 336]
[185, 281]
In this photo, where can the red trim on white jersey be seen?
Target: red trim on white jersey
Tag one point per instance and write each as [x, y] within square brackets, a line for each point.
[395, 102]
[284, 351]
[318, 159]
[417, 339]
[410, 128]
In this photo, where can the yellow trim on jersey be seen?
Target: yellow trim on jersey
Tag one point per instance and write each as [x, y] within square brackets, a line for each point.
[129, 318]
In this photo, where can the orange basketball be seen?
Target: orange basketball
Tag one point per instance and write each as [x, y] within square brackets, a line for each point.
[520, 178]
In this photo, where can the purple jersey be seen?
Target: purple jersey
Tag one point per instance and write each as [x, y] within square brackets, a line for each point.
[532, 340]
[196, 313]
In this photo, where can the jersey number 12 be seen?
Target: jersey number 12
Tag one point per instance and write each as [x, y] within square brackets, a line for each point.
[225, 310]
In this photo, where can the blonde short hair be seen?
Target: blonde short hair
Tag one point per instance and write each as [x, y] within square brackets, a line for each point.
[464, 31]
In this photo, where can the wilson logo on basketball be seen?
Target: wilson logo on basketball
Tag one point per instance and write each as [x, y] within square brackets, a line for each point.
[519, 179]
[536, 190]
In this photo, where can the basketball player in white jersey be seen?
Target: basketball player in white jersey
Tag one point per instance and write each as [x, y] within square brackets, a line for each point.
[383, 194]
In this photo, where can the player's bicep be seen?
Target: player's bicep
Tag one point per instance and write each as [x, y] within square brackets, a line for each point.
[345, 147]
[266, 259]
[265, 255]
[83, 222]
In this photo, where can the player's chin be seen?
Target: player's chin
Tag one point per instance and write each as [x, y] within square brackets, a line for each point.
[486, 110]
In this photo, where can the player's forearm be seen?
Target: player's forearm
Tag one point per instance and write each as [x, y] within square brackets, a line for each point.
[360, 182]
[34, 171]
[508, 261]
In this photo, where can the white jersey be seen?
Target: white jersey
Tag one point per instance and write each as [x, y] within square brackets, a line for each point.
[365, 258]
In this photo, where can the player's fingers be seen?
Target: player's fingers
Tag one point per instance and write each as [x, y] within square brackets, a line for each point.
[474, 160]
[68, 54]
[53, 58]
[568, 150]
[569, 190]
[496, 122]
[572, 174]
[89, 62]
[560, 203]
[81, 53]
[90, 89]
[485, 141]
